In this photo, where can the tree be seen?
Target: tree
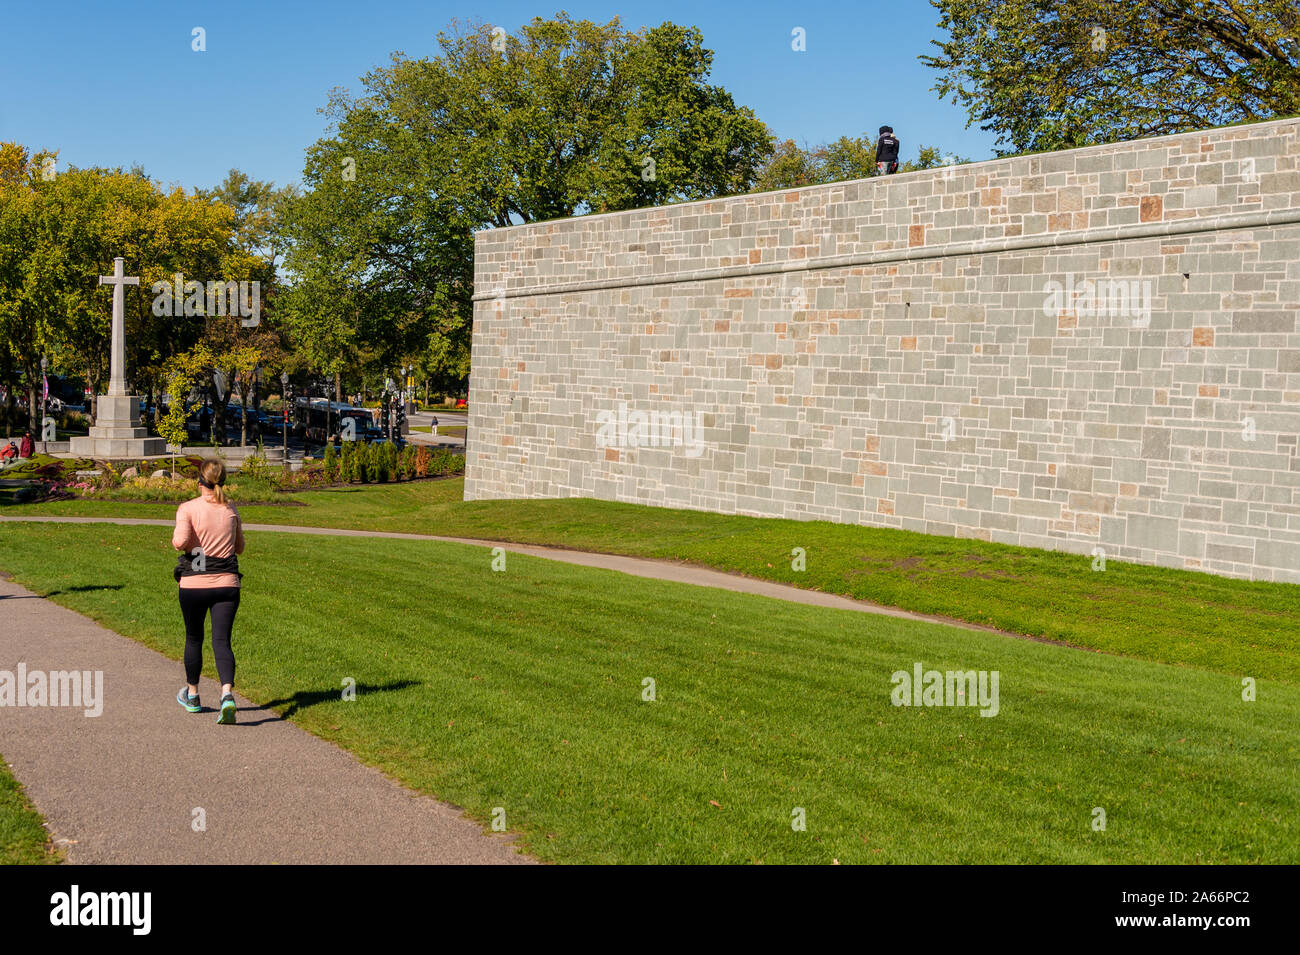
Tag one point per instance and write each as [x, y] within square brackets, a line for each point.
[930, 157]
[258, 207]
[59, 233]
[258, 210]
[235, 352]
[244, 362]
[93, 215]
[1053, 74]
[788, 168]
[565, 116]
[24, 327]
[849, 157]
[182, 374]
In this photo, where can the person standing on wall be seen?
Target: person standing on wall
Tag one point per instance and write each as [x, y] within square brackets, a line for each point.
[210, 536]
[886, 152]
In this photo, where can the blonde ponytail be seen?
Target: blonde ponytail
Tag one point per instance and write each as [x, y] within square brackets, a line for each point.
[212, 474]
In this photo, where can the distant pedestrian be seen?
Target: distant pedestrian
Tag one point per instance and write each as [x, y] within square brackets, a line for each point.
[10, 453]
[887, 152]
[27, 447]
[210, 536]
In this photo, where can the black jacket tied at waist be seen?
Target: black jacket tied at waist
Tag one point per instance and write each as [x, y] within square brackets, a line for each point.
[211, 565]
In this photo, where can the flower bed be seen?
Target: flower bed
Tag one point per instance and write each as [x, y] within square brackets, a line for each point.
[256, 482]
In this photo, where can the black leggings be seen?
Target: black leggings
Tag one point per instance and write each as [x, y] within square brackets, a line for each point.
[195, 604]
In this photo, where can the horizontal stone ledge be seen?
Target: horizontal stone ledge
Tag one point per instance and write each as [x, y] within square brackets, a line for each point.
[1145, 230]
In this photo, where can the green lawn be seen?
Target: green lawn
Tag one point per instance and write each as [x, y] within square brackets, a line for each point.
[523, 690]
[23, 840]
[1235, 627]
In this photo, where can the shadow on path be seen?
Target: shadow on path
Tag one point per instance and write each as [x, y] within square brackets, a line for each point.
[305, 698]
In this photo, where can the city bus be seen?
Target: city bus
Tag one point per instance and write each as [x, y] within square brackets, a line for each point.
[318, 421]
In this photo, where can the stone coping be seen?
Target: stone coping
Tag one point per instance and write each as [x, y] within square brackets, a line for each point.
[1143, 230]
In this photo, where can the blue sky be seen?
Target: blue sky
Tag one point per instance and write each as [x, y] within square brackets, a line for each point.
[117, 83]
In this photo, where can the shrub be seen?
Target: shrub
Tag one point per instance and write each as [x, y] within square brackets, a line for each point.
[311, 474]
[331, 464]
[39, 491]
[189, 465]
[445, 461]
[148, 489]
[73, 421]
[107, 479]
[256, 467]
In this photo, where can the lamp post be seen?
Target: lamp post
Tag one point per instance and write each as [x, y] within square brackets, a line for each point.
[284, 398]
[404, 408]
[255, 380]
[45, 403]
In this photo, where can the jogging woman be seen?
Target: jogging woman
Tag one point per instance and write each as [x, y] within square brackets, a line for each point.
[209, 535]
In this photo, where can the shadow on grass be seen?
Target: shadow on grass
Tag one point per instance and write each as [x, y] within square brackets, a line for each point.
[55, 593]
[305, 698]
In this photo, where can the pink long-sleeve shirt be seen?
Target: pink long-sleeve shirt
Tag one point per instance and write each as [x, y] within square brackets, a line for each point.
[202, 522]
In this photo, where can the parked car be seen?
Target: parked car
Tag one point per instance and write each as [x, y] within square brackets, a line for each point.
[253, 419]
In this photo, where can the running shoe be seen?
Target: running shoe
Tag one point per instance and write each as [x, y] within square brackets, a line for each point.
[227, 709]
[191, 703]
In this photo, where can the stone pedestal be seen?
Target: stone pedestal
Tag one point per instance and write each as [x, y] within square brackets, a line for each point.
[117, 432]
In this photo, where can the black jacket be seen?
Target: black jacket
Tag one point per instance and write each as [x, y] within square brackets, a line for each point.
[887, 148]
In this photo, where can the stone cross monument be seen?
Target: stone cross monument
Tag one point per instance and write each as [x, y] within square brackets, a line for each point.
[117, 432]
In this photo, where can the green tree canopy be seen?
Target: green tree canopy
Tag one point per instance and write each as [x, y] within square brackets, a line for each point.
[564, 116]
[849, 157]
[1053, 74]
[60, 232]
[258, 207]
